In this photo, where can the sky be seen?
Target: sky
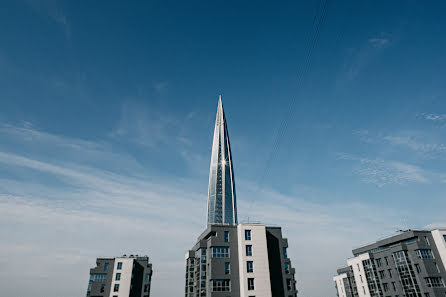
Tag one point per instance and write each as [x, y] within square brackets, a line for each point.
[336, 115]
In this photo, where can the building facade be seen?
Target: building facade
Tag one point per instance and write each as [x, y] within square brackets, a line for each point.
[411, 264]
[231, 259]
[126, 276]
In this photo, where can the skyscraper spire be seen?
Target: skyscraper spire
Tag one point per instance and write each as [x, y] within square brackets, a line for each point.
[222, 207]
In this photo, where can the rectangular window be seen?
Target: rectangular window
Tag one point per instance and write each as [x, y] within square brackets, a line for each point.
[220, 252]
[221, 285]
[118, 276]
[249, 250]
[426, 294]
[98, 277]
[226, 236]
[424, 254]
[250, 284]
[438, 268]
[418, 268]
[146, 288]
[394, 286]
[147, 277]
[378, 262]
[444, 237]
[116, 288]
[360, 276]
[390, 273]
[426, 239]
[386, 287]
[287, 267]
[119, 266]
[102, 288]
[387, 260]
[434, 282]
[284, 251]
[381, 274]
[227, 268]
[288, 284]
[247, 234]
[249, 266]
[105, 266]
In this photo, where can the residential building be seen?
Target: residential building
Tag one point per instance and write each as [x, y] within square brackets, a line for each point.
[126, 276]
[410, 264]
[230, 258]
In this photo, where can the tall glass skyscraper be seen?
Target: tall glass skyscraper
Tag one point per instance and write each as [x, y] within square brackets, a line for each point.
[222, 207]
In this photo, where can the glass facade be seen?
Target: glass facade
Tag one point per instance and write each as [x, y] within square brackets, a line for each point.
[222, 208]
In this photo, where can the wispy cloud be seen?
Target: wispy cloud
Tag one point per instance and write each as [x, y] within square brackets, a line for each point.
[360, 57]
[434, 117]
[383, 172]
[379, 42]
[142, 125]
[53, 11]
[161, 86]
[412, 140]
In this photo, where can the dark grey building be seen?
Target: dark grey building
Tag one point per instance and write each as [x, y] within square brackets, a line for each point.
[126, 276]
[231, 259]
[410, 263]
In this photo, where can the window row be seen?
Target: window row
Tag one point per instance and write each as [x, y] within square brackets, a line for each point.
[221, 285]
[220, 252]
[98, 277]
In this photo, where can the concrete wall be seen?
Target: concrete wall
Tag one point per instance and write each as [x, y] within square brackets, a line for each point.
[262, 285]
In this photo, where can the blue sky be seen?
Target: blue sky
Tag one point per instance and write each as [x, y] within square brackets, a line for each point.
[107, 112]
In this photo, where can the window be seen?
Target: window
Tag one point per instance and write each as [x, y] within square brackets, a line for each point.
[378, 262]
[220, 252]
[386, 287]
[418, 268]
[284, 251]
[98, 277]
[249, 266]
[394, 286]
[360, 276]
[390, 273]
[426, 239]
[227, 267]
[119, 266]
[426, 294]
[116, 288]
[438, 268]
[359, 269]
[287, 267]
[102, 288]
[221, 285]
[226, 236]
[147, 277]
[381, 274]
[424, 254]
[444, 237]
[249, 250]
[363, 289]
[105, 266]
[434, 282]
[250, 284]
[146, 288]
[247, 234]
[118, 276]
[387, 260]
[288, 284]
